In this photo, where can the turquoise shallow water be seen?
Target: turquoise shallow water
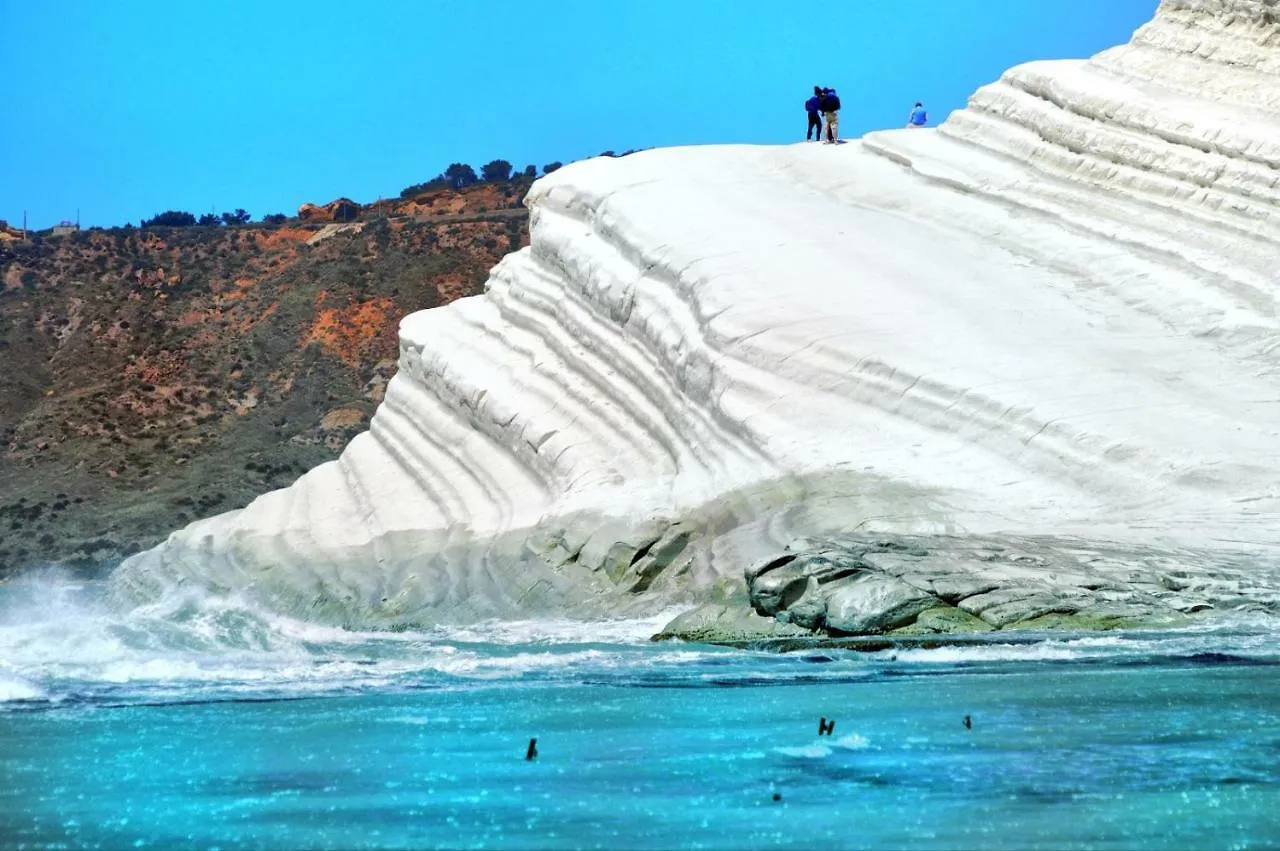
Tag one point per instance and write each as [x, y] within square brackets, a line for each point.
[205, 725]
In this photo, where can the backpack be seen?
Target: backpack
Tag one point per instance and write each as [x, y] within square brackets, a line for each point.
[830, 101]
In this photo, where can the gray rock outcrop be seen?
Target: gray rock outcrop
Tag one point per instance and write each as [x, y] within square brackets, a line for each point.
[913, 587]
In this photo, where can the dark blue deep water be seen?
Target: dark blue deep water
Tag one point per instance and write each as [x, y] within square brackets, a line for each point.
[201, 724]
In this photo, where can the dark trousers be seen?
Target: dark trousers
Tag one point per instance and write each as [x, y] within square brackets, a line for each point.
[815, 126]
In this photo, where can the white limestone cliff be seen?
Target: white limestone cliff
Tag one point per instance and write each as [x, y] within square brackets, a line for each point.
[1056, 314]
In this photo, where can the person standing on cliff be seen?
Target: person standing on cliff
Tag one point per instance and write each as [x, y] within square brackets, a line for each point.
[812, 106]
[919, 117]
[830, 103]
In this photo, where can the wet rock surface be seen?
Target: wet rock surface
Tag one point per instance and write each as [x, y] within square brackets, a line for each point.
[950, 588]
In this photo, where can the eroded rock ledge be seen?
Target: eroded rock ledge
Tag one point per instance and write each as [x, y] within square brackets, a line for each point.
[909, 589]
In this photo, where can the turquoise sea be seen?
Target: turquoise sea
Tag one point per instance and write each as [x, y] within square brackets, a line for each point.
[203, 724]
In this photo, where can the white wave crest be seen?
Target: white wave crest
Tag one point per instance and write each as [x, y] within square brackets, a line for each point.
[61, 635]
[852, 742]
[14, 689]
[805, 752]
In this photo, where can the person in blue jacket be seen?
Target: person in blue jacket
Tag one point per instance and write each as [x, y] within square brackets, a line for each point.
[919, 117]
[815, 118]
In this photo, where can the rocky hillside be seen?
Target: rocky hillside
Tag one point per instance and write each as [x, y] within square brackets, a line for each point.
[154, 376]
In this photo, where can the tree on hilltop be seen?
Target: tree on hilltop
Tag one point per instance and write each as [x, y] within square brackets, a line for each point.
[460, 175]
[274, 219]
[498, 171]
[437, 182]
[239, 217]
[169, 219]
[530, 172]
[552, 166]
[209, 220]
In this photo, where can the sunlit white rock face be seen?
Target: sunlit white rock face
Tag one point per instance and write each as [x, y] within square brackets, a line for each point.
[1054, 314]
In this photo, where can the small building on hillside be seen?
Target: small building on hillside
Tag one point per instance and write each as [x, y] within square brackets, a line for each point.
[64, 227]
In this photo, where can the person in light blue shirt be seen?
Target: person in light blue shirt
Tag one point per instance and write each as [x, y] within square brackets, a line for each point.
[919, 117]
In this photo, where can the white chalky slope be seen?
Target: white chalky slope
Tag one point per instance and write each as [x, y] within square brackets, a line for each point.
[1054, 314]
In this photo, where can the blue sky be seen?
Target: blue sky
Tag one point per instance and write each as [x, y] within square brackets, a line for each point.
[126, 108]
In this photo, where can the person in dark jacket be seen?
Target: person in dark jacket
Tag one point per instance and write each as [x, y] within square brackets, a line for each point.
[830, 104]
[812, 106]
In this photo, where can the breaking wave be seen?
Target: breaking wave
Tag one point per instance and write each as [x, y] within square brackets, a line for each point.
[61, 644]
